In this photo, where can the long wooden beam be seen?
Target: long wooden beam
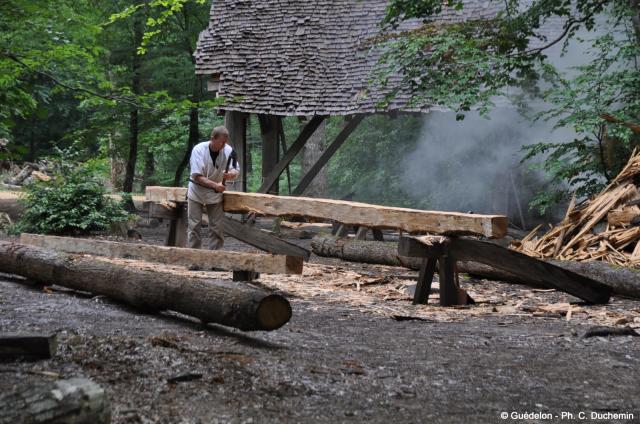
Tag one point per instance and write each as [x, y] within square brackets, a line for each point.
[529, 270]
[263, 240]
[291, 153]
[327, 154]
[205, 259]
[351, 213]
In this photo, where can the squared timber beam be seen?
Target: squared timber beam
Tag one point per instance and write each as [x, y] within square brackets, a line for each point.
[352, 213]
[205, 259]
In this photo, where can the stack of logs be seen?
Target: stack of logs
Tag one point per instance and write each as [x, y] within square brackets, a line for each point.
[27, 173]
[605, 228]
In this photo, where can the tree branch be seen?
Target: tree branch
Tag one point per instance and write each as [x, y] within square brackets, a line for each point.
[64, 85]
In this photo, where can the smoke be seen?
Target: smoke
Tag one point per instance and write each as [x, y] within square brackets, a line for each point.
[475, 164]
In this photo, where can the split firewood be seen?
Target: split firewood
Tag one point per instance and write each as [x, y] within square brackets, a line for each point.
[604, 228]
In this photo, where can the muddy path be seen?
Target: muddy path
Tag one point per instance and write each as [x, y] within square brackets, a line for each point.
[341, 358]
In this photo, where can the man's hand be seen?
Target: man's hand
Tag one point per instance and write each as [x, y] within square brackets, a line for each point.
[229, 176]
[219, 188]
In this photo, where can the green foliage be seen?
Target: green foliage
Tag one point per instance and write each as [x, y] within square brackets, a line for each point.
[466, 65]
[608, 84]
[73, 202]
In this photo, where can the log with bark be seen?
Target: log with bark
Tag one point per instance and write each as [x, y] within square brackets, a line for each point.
[77, 400]
[236, 305]
[623, 281]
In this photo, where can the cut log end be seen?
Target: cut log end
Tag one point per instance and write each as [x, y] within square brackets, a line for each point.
[273, 312]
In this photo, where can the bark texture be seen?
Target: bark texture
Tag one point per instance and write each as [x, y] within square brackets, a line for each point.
[221, 302]
[623, 281]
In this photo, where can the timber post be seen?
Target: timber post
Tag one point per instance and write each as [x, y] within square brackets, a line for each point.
[236, 123]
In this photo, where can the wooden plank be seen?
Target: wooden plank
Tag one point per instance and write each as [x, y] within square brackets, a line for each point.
[291, 153]
[351, 213]
[528, 269]
[328, 154]
[205, 259]
[425, 278]
[28, 346]
[263, 240]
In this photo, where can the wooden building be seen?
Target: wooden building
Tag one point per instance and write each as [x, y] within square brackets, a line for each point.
[308, 58]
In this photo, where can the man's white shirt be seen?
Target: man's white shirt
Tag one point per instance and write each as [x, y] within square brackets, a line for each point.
[202, 164]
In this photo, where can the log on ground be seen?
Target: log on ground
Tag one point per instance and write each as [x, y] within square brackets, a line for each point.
[623, 281]
[76, 400]
[222, 302]
[205, 259]
[386, 253]
[350, 213]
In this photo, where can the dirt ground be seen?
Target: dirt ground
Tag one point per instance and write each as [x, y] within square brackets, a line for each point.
[356, 350]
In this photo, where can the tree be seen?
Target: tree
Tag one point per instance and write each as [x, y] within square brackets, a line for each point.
[467, 65]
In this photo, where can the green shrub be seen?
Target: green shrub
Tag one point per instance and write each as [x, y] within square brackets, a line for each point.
[74, 202]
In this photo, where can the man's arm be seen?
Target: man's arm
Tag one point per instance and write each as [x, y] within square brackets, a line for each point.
[206, 182]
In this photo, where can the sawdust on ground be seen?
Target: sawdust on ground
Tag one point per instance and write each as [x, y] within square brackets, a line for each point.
[387, 291]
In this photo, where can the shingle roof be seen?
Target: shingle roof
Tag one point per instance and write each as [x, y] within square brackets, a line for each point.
[302, 57]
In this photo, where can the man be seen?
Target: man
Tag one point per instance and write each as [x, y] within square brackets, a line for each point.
[212, 163]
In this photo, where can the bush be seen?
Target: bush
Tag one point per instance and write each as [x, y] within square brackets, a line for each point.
[74, 202]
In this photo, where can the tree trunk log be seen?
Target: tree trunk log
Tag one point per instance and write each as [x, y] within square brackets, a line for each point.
[76, 400]
[220, 302]
[623, 281]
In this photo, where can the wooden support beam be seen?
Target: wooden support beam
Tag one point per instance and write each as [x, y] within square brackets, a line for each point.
[205, 259]
[328, 154]
[245, 276]
[236, 123]
[291, 153]
[283, 145]
[425, 278]
[269, 125]
[177, 235]
[27, 346]
[529, 270]
[448, 285]
[223, 302]
[351, 213]
[361, 234]
[263, 240]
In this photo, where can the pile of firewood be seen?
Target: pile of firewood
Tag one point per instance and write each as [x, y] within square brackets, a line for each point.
[605, 228]
[27, 173]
